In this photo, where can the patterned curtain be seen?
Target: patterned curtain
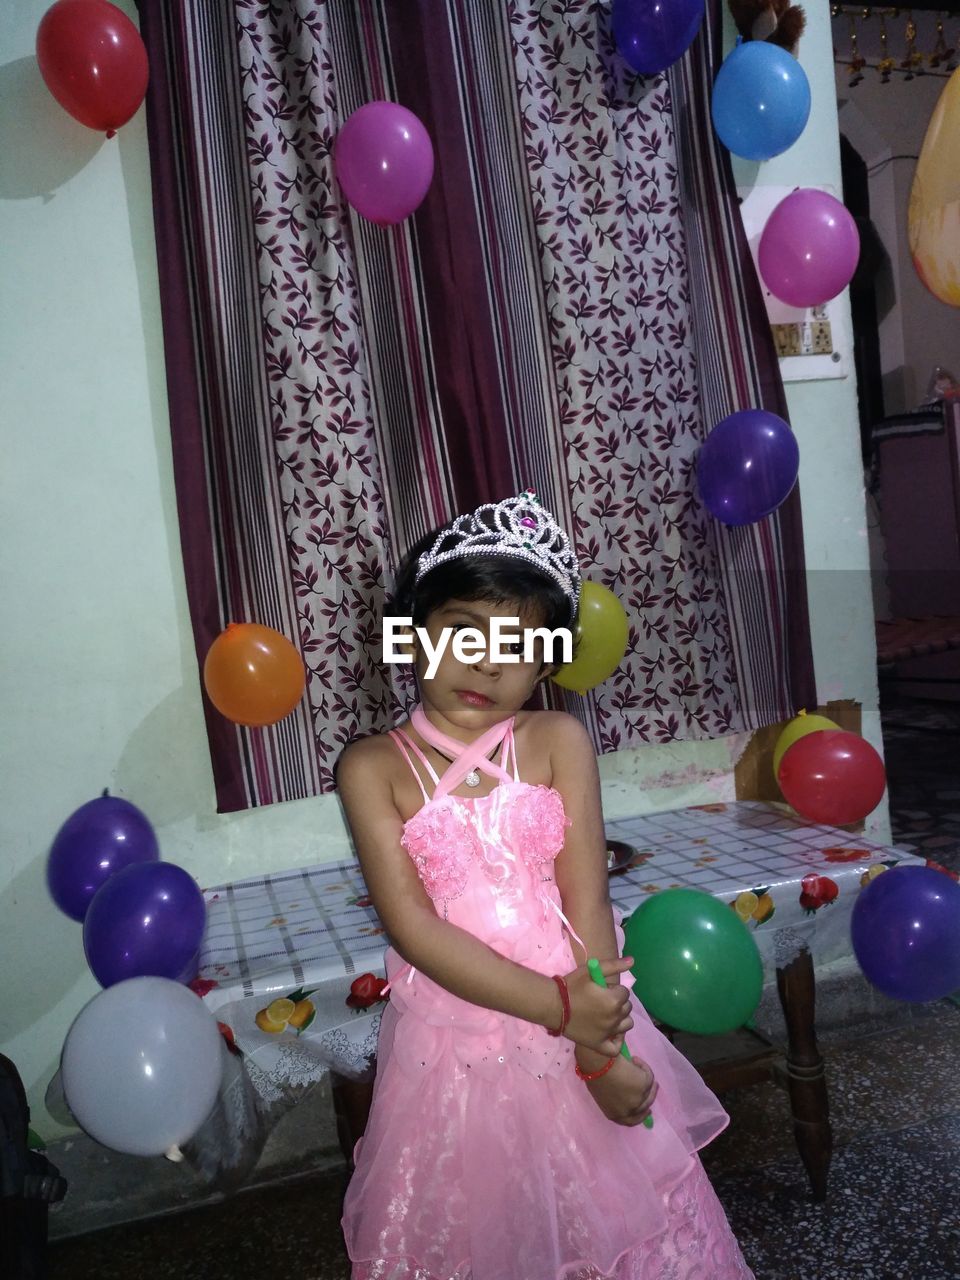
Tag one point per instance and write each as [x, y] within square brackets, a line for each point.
[572, 308]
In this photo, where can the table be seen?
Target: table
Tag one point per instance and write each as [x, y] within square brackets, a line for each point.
[309, 933]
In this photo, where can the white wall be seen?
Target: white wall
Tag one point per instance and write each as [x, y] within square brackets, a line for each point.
[824, 418]
[100, 686]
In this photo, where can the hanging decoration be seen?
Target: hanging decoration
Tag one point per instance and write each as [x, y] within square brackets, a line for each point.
[93, 61]
[868, 36]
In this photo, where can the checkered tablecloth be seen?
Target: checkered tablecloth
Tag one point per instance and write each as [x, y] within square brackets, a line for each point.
[805, 877]
[309, 933]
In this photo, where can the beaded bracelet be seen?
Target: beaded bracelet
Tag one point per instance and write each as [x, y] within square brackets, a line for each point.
[587, 1076]
[565, 1002]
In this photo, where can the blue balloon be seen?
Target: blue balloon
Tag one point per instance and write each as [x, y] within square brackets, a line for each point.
[761, 100]
[905, 930]
[145, 921]
[747, 466]
[653, 34]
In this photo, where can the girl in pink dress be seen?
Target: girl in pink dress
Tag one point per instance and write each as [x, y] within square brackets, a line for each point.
[507, 1139]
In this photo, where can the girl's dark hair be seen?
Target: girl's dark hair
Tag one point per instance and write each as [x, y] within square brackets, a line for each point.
[492, 578]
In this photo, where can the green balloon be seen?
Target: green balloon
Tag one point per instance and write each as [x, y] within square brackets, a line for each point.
[696, 965]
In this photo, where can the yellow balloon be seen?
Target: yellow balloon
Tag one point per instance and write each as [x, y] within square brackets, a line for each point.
[601, 640]
[933, 219]
[795, 729]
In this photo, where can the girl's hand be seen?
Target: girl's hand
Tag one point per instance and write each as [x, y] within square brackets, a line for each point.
[599, 1016]
[626, 1092]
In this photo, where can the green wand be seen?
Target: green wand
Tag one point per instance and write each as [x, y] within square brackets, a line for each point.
[596, 973]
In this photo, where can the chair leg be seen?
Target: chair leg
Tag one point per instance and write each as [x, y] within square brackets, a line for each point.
[806, 1080]
[351, 1105]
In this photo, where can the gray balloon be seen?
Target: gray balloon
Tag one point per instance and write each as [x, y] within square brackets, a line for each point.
[141, 1066]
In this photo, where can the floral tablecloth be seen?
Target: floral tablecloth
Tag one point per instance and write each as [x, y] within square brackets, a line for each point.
[282, 952]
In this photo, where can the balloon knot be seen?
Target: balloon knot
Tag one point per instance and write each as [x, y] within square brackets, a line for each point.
[111, 133]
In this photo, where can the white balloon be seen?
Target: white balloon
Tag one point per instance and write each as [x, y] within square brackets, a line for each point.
[141, 1065]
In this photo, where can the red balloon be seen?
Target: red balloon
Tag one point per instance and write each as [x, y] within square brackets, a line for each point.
[93, 61]
[832, 776]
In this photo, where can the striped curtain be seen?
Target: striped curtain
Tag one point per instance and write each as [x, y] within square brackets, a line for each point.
[572, 308]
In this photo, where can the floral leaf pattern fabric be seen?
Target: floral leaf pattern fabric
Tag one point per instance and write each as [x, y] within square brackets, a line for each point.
[337, 388]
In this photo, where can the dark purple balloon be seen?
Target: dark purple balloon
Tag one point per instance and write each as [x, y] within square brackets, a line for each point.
[905, 929]
[97, 840]
[747, 466]
[653, 34]
[146, 921]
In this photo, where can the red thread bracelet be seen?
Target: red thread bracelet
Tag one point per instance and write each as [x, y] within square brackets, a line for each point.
[587, 1076]
[565, 1002]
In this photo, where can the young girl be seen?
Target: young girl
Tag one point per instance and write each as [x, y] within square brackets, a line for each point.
[506, 1139]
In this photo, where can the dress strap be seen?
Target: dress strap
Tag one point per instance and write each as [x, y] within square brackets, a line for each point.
[466, 756]
[510, 753]
[404, 742]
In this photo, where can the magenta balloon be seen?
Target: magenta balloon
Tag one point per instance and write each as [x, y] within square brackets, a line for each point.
[383, 158]
[809, 248]
[99, 839]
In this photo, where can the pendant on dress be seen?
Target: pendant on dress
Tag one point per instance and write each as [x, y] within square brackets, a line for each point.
[473, 778]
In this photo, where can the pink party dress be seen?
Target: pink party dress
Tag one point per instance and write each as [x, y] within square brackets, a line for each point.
[485, 1157]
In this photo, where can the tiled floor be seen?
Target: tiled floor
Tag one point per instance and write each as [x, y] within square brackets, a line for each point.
[922, 748]
[895, 1100]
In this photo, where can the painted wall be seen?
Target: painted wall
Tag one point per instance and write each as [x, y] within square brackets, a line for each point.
[100, 687]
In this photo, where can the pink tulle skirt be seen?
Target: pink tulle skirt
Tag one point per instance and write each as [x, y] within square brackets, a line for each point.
[503, 1173]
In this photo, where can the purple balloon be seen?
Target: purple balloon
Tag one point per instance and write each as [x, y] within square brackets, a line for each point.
[905, 929]
[146, 921]
[653, 34]
[747, 465]
[383, 159]
[809, 248]
[98, 839]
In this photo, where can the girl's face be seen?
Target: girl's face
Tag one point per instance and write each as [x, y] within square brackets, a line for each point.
[475, 692]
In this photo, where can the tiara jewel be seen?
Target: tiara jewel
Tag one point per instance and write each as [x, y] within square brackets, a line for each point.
[519, 527]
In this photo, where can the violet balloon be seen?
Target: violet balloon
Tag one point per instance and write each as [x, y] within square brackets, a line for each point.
[97, 840]
[809, 248]
[747, 466]
[146, 921]
[652, 34]
[383, 159]
[905, 930]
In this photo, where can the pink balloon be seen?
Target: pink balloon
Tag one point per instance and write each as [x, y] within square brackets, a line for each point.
[383, 158]
[809, 248]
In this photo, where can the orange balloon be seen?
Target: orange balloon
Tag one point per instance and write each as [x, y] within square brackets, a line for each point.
[253, 675]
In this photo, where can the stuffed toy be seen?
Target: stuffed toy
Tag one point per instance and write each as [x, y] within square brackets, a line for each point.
[778, 21]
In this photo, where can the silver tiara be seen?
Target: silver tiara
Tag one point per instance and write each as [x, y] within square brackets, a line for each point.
[519, 527]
